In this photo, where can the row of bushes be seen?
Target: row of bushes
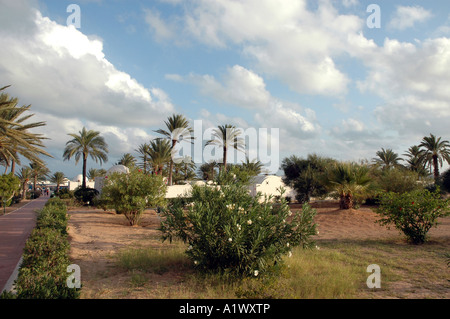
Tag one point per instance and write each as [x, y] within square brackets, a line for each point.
[43, 272]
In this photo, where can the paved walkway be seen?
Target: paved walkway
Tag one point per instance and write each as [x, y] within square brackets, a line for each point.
[15, 228]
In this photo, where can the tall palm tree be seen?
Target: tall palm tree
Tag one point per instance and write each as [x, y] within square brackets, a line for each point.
[38, 172]
[436, 152]
[127, 160]
[387, 159]
[347, 180]
[227, 136]
[143, 154]
[15, 137]
[58, 178]
[159, 154]
[85, 144]
[178, 129]
[25, 175]
[416, 159]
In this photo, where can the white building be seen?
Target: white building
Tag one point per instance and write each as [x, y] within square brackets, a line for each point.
[270, 185]
[78, 181]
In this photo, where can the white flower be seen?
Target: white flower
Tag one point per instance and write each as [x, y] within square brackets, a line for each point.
[317, 233]
[287, 244]
[190, 247]
[290, 213]
[195, 262]
[256, 272]
[238, 226]
[317, 247]
[249, 222]
[290, 254]
[230, 239]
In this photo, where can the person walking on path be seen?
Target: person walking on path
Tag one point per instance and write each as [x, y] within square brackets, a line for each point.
[15, 228]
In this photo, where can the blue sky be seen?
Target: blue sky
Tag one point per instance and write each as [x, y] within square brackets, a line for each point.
[312, 69]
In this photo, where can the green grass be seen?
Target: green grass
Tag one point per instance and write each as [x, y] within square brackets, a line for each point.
[337, 270]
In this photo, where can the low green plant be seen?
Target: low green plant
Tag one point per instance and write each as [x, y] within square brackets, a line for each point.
[43, 271]
[9, 184]
[86, 195]
[230, 232]
[414, 213]
[131, 193]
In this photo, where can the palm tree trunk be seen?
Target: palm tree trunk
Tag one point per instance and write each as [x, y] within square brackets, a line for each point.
[346, 201]
[24, 190]
[224, 158]
[436, 167]
[83, 185]
[171, 164]
[13, 166]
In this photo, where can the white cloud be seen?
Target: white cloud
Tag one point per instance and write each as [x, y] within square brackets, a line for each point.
[158, 26]
[407, 16]
[69, 82]
[64, 72]
[284, 39]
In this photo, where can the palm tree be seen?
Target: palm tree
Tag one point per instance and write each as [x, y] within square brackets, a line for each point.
[416, 160]
[227, 136]
[58, 178]
[15, 137]
[86, 143]
[178, 129]
[127, 160]
[159, 153]
[25, 175]
[348, 180]
[208, 170]
[254, 167]
[143, 152]
[436, 151]
[94, 172]
[387, 159]
[38, 172]
[184, 170]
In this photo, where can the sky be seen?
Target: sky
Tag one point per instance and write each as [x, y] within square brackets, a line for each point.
[338, 78]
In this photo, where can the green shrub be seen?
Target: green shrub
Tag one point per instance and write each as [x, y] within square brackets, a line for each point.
[64, 193]
[413, 213]
[397, 180]
[45, 245]
[230, 232]
[9, 184]
[86, 195]
[131, 193]
[53, 217]
[445, 181]
[43, 272]
[41, 282]
[56, 202]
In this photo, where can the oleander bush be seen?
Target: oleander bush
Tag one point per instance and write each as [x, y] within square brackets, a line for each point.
[413, 213]
[230, 232]
[130, 194]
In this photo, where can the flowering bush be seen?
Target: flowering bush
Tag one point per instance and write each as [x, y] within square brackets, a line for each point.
[413, 213]
[131, 193]
[229, 231]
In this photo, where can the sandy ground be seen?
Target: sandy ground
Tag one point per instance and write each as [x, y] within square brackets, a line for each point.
[96, 235]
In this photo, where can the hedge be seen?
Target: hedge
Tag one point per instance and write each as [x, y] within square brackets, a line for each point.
[43, 272]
